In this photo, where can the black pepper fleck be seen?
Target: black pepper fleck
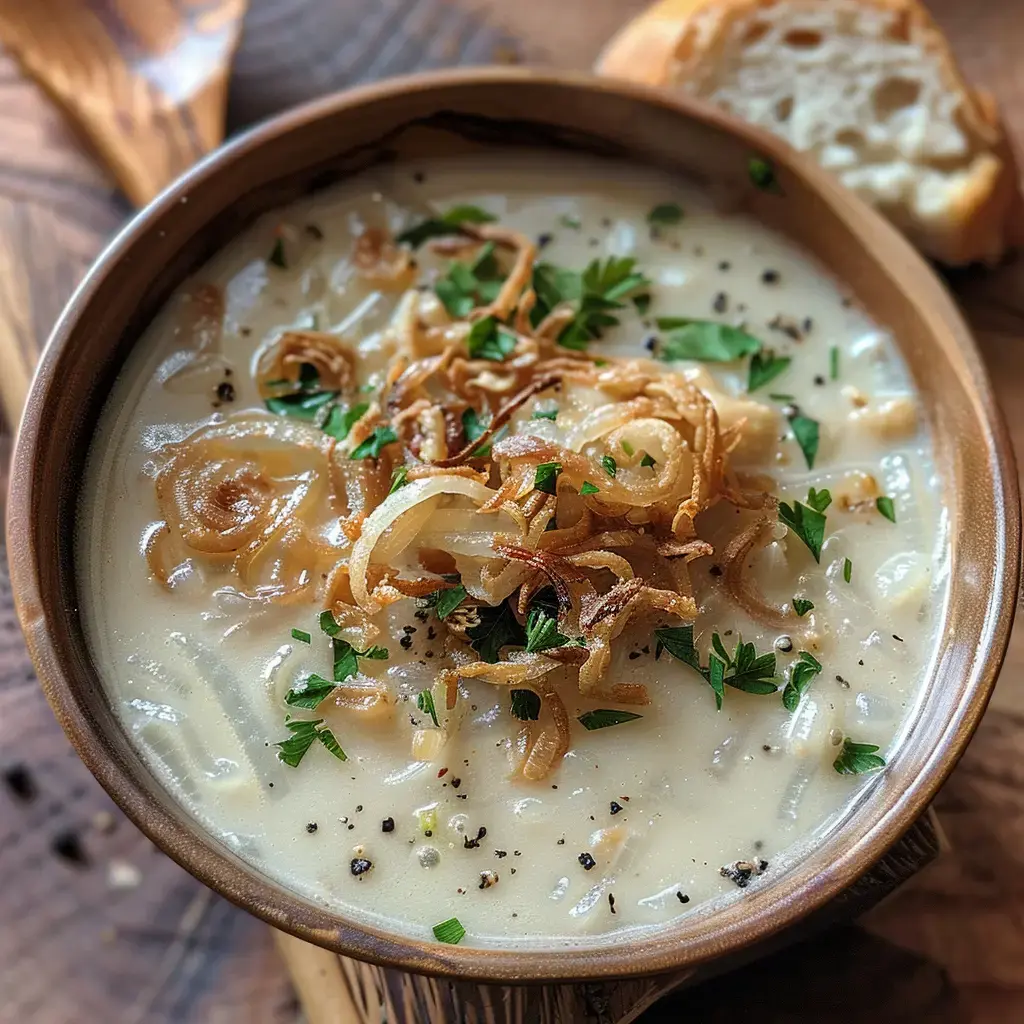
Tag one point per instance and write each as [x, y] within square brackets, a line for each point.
[544, 240]
[807, 325]
[68, 847]
[359, 866]
[456, 782]
[682, 898]
[561, 842]
[387, 825]
[715, 570]
[770, 277]
[651, 343]
[311, 827]
[819, 380]
[615, 807]
[226, 391]
[19, 780]
[725, 265]
[472, 844]
[784, 643]
[633, 655]
[586, 860]
[899, 638]
[721, 303]
[501, 854]
[611, 903]
[406, 642]
[314, 231]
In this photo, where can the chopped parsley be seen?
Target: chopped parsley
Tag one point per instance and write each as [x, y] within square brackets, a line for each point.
[399, 479]
[425, 702]
[847, 570]
[704, 340]
[447, 223]
[277, 255]
[303, 404]
[525, 705]
[808, 521]
[858, 758]
[833, 362]
[569, 220]
[450, 931]
[340, 421]
[446, 601]
[765, 366]
[604, 718]
[762, 174]
[665, 214]
[802, 606]
[474, 427]
[609, 465]
[382, 435]
[497, 628]
[589, 488]
[311, 694]
[302, 636]
[780, 397]
[542, 632]
[886, 507]
[647, 461]
[303, 736]
[468, 285]
[642, 303]
[345, 655]
[545, 414]
[801, 674]
[807, 434]
[545, 478]
[487, 339]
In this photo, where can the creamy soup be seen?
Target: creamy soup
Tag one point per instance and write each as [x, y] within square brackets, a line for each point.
[517, 545]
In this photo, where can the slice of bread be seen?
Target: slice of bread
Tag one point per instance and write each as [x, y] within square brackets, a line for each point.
[868, 87]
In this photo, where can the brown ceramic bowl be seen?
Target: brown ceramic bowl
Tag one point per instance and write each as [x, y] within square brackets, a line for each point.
[457, 111]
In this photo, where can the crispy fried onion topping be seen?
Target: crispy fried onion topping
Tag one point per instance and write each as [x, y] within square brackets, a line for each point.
[546, 499]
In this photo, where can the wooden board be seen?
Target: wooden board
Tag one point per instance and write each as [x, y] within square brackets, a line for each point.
[127, 936]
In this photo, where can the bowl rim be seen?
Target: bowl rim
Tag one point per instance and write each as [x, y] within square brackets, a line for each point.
[799, 892]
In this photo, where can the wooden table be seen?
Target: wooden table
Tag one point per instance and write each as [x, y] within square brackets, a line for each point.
[98, 926]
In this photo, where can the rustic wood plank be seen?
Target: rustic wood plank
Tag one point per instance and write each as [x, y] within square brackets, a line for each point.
[949, 948]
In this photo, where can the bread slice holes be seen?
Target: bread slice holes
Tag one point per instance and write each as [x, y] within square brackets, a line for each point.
[802, 39]
[894, 95]
[784, 108]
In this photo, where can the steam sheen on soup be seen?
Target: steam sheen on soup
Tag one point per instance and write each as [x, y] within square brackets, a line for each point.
[513, 549]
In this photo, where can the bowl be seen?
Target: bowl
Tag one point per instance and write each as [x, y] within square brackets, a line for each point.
[462, 111]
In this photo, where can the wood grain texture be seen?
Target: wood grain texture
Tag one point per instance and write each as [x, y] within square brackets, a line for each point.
[145, 80]
[949, 948]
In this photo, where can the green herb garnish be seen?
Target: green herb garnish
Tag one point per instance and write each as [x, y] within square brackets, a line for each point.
[545, 414]
[642, 303]
[340, 421]
[303, 736]
[704, 340]
[588, 488]
[545, 478]
[448, 600]
[497, 628]
[808, 521]
[762, 174]
[765, 366]
[886, 507]
[802, 606]
[665, 214]
[833, 362]
[857, 758]
[425, 702]
[604, 718]
[450, 931]
[467, 286]
[399, 478]
[569, 220]
[807, 433]
[609, 464]
[473, 427]
[525, 705]
[302, 405]
[447, 223]
[542, 632]
[382, 436]
[302, 636]
[311, 694]
[779, 397]
[647, 461]
[277, 255]
[847, 570]
[801, 674]
[488, 339]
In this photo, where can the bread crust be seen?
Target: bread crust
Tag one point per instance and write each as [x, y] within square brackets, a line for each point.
[676, 41]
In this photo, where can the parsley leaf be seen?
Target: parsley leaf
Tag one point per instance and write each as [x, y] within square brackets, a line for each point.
[467, 286]
[545, 414]
[311, 694]
[302, 636]
[545, 477]
[399, 478]
[847, 570]
[808, 521]
[345, 655]
[542, 632]
[277, 255]
[445, 224]
[833, 362]
[765, 366]
[603, 718]
[665, 214]
[801, 674]
[425, 702]
[762, 173]
[609, 464]
[749, 671]
[303, 405]
[487, 339]
[448, 600]
[857, 758]
[328, 739]
[704, 340]
[588, 488]
[886, 507]
[303, 736]
[525, 705]
[340, 421]
[802, 606]
[647, 461]
[642, 303]
[497, 628]
[806, 431]
[450, 931]
[382, 436]
[678, 641]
